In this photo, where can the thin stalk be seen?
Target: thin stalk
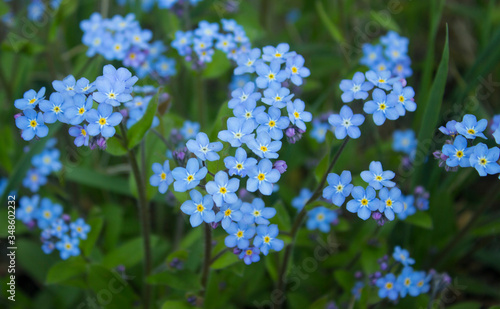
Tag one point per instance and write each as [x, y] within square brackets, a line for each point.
[208, 258]
[300, 217]
[143, 207]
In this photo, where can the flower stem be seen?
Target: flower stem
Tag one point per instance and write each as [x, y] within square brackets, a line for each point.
[207, 258]
[298, 222]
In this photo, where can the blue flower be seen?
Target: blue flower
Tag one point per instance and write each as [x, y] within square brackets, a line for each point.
[300, 201]
[250, 255]
[346, 123]
[471, 128]
[68, 247]
[79, 229]
[269, 74]
[223, 189]
[237, 129]
[319, 131]
[229, 213]
[182, 42]
[262, 177]
[206, 29]
[402, 256]
[66, 86]
[103, 120]
[381, 79]
[484, 160]
[34, 179]
[320, 218]
[165, 66]
[257, 212]
[279, 53]
[364, 202]
[199, 208]
[243, 95]
[28, 207]
[76, 112]
[387, 287]
[239, 235]
[339, 187]
[297, 114]
[496, 135]
[238, 81]
[420, 284]
[357, 88]
[408, 206]
[55, 108]
[357, 289]
[266, 238]
[47, 161]
[190, 129]
[203, 149]
[225, 42]
[83, 86]
[406, 282]
[47, 213]
[404, 141]
[58, 228]
[458, 153]
[36, 10]
[263, 146]
[247, 61]
[189, 177]
[248, 111]
[229, 25]
[162, 177]
[272, 123]
[30, 99]
[371, 54]
[381, 107]
[80, 134]
[115, 86]
[48, 246]
[450, 128]
[377, 178]
[296, 70]
[277, 96]
[240, 164]
[403, 98]
[390, 202]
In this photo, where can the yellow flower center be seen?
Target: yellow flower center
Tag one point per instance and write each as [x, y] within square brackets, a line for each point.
[364, 202]
[256, 213]
[277, 55]
[132, 56]
[57, 109]
[163, 176]
[277, 98]
[68, 246]
[339, 188]
[81, 111]
[118, 47]
[483, 161]
[190, 178]
[227, 212]
[471, 131]
[112, 96]
[200, 207]
[388, 203]
[320, 217]
[407, 281]
[378, 178]
[83, 132]
[294, 70]
[34, 178]
[249, 252]
[32, 101]
[239, 234]
[102, 121]
[33, 123]
[78, 229]
[47, 214]
[239, 166]
[401, 99]
[420, 283]
[272, 124]
[267, 239]
[460, 154]
[296, 115]
[382, 106]
[389, 285]
[263, 148]
[223, 190]
[271, 76]
[261, 177]
[381, 80]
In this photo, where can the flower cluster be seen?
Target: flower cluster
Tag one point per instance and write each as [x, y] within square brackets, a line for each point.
[200, 44]
[42, 165]
[73, 103]
[397, 279]
[122, 38]
[390, 55]
[256, 136]
[459, 150]
[147, 5]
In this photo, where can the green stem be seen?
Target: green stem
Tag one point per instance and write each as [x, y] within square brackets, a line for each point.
[201, 100]
[300, 217]
[143, 207]
[208, 258]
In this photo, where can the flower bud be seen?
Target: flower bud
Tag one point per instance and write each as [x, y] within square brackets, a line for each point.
[281, 166]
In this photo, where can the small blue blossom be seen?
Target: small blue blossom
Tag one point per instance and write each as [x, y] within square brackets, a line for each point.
[243, 95]
[75, 113]
[300, 201]
[79, 229]
[272, 123]
[68, 247]
[239, 235]
[165, 67]
[30, 99]
[406, 282]
[339, 187]
[420, 284]
[28, 207]
[277, 96]
[206, 29]
[402, 256]
[450, 128]
[346, 123]
[247, 61]
[364, 202]
[248, 111]
[240, 164]
[229, 213]
[256, 212]
[381, 107]
[377, 178]
[162, 177]
[80, 134]
[103, 120]
[250, 255]
[66, 87]
[34, 180]
[269, 74]
[296, 70]
[357, 88]
[471, 128]
[320, 218]
[390, 202]
[387, 287]
[372, 54]
[47, 213]
[190, 129]
[279, 53]
[55, 108]
[189, 177]
[357, 289]
[404, 141]
[199, 208]
[83, 86]
[408, 206]
[403, 98]
[297, 114]
[266, 238]
[262, 177]
[484, 160]
[58, 228]
[203, 149]
[47, 161]
[381, 79]
[263, 146]
[319, 131]
[237, 130]
[223, 189]
[458, 153]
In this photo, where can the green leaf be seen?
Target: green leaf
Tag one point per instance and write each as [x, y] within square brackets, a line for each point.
[184, 280]
[330, 26]
[282, 217]
[176, 304]
[272, 266]
[420, 218]
[95, 229]
[128, 254]
[432, 111]
[386, 21]
[115, 147]
[218, 66]
[225, 260]
[466, 305]
[113, 215]
[111, 286]
[489, 229]
[136, 133]
[64, 270]
[345, 279]
[97, 180]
